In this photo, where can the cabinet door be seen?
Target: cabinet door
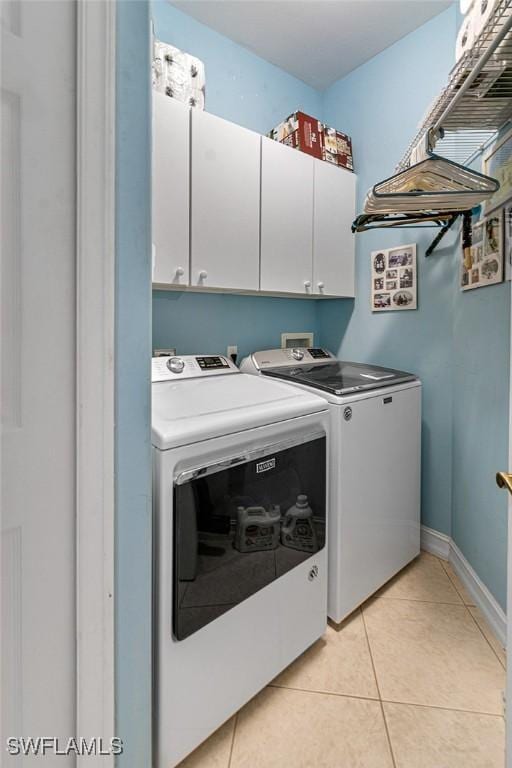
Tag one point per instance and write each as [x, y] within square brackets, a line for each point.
[333, 241]
[171, 190]
[286, 218]
[225, 197]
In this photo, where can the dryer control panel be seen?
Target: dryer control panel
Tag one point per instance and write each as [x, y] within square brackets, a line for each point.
[190, 367]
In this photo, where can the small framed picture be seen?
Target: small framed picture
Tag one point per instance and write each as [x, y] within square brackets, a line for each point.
[497, 163]
[394, 278]
[486, 254]
[507, 240]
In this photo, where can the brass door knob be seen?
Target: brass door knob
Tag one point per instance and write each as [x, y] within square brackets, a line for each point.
[504, 480]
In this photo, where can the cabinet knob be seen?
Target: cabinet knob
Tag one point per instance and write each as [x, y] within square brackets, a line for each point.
[203, 274]
[180, 272]
[307, 283]
[320, 286]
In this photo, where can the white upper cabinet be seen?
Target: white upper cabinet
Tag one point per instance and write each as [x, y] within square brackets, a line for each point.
[286, 219]
[333, 241]
[225, 204]
[235, 211]
[171, 191]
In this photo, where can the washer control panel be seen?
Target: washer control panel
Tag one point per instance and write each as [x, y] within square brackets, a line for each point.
[317, 353]
[273, 358]
[181, 367]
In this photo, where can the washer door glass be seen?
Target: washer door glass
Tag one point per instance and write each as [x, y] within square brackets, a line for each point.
[242, 523]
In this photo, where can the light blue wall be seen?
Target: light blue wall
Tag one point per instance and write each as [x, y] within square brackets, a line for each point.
[132, 395]
[206, 323]
[251, 92]
[380, 105]
[481, 372]
[456, 342]
[240, 86]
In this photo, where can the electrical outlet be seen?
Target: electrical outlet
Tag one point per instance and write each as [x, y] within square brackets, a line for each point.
[232, 350]
[164, 352]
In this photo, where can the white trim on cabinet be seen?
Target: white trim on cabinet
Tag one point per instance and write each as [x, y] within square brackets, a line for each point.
[241, 291]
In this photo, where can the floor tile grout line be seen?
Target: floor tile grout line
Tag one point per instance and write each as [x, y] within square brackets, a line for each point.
[468, 606]
[485, 637]
[388, 701]
[452, 581]
[370, 652]
[429, 602]
[232, 741]
[418, 600]
[323, 693]
[388, 735]
[386, 728]
[440, 708]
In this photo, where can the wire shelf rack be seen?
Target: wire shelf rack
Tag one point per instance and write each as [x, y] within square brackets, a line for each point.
[477, 101]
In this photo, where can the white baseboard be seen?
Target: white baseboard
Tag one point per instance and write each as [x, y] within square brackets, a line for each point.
[435, 542]
[444, 547]
[491, 609]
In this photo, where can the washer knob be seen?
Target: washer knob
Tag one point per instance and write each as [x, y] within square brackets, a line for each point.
[176, 364]
[297, 354]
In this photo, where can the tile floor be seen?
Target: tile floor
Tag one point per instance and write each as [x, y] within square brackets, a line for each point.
[413, 679]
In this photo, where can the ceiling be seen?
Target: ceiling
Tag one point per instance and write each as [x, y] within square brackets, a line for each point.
[317, 41]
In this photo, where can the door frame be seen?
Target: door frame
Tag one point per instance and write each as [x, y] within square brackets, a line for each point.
[95, 374]
[508, 693]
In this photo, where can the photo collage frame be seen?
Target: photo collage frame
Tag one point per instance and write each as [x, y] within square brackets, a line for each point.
[394, 279]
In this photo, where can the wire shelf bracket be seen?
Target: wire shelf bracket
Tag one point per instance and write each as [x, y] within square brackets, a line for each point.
[477, 101]
[464, 119]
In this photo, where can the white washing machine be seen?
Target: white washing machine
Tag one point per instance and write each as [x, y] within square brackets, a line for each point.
[375, 465]
[240, 509]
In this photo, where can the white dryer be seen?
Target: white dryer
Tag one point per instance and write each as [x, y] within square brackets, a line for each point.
[375, 466]
[240, 555]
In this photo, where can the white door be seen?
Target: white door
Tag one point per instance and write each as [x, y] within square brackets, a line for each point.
[225, 204]
[37, 272]
[171, 190]
[286, 218]
[333, 241]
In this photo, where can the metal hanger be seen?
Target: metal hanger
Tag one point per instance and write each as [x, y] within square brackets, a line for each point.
[434, 184]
